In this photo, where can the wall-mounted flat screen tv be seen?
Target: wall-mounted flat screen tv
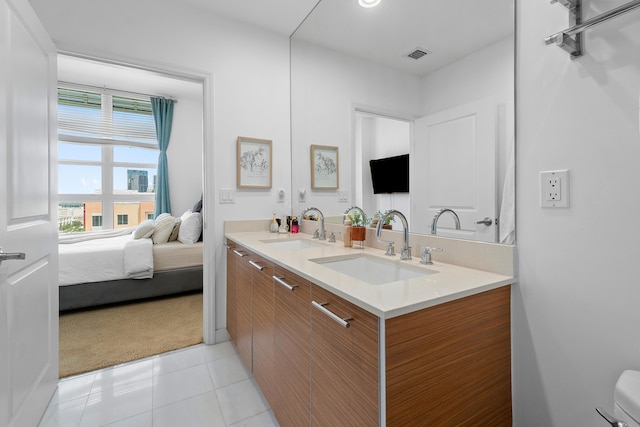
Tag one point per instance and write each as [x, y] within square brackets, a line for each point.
[390, 175]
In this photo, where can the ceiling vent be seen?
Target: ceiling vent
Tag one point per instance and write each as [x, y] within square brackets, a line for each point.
[417, 53]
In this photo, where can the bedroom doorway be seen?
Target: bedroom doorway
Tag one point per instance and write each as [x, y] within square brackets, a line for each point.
[107, 187]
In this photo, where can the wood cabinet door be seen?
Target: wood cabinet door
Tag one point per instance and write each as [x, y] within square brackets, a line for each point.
[292, 354]
[231, 290]
[344, 363]
[451, 364]
[262, 324]
[243, 306]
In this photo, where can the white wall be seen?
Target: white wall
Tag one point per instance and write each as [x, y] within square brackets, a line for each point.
[184, 155]
[249, 71]
[576, 307]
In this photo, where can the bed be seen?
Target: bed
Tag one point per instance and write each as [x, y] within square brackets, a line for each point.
[115, 267]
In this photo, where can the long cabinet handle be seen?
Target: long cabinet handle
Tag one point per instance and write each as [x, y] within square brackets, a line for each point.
[256, 265]
[240, 254]
[285, 284]
[343, 322]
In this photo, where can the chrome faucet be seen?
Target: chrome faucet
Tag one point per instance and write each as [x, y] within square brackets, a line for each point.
[406, 250]
[434, 222]
[323, 234]
[426, 254]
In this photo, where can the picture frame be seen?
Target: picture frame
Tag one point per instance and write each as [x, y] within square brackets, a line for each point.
[254, 162]
[325, 168]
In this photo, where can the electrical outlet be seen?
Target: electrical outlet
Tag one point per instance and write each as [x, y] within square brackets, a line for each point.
[554, 189]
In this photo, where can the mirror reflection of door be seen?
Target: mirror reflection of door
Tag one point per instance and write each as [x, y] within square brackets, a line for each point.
[376, 137]
[454, 164]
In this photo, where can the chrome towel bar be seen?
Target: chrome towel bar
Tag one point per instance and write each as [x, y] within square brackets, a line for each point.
[570, 39]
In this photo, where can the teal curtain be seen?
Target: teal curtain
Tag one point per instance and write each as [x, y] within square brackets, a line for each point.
[163, 115]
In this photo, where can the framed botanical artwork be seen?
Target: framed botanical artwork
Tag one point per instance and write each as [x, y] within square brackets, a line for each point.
[254, 163]
[324, 167]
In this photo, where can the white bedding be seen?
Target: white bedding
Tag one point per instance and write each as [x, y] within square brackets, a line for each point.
[102, 259]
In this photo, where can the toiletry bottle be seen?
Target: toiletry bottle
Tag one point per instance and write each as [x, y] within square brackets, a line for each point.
[273, 227]
[347, 233]
[294, 225]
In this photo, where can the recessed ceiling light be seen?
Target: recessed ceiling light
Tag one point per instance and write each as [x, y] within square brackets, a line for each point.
[368, 3]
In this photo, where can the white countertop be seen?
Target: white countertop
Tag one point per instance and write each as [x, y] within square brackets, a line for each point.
[441, 283]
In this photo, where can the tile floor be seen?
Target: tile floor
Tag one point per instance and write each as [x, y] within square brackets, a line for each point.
[197, 386]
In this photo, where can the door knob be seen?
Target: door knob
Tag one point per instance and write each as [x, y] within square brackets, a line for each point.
[487, 221]
[6, 256]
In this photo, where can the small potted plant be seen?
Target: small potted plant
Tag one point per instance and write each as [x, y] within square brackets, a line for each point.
[388, 220]
[358, 224]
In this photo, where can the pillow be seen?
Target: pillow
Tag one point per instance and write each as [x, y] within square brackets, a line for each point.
[145, 229]
[164, 227]
[198, 206]
[186, 214]
[190, 228]
[162, 215]
[176, 228]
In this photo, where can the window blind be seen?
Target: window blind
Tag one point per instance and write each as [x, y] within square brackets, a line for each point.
[102, 117]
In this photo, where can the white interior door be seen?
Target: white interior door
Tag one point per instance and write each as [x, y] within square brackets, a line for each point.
[454, 166]
[28, 216]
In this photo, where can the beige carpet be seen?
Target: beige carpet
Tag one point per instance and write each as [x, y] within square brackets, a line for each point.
[97, 338]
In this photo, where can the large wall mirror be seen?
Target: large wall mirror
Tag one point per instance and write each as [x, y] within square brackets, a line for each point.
[434, 80]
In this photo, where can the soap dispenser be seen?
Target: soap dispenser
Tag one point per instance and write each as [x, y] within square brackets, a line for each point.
[273, 227]
[347, 233]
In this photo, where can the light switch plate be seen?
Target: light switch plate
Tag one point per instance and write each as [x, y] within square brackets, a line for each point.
[227, 196]
[554, 189]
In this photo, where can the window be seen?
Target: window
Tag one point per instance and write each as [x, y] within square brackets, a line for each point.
[96, 221]
[150, 215]
[107, 157]
[123, 219]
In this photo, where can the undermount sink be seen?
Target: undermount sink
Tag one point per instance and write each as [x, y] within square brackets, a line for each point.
[373, 270]
[292, 244]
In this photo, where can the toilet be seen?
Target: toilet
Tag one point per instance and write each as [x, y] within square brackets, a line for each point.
[627, 398]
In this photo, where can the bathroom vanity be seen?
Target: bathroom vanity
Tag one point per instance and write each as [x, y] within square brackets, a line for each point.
[332, 345]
